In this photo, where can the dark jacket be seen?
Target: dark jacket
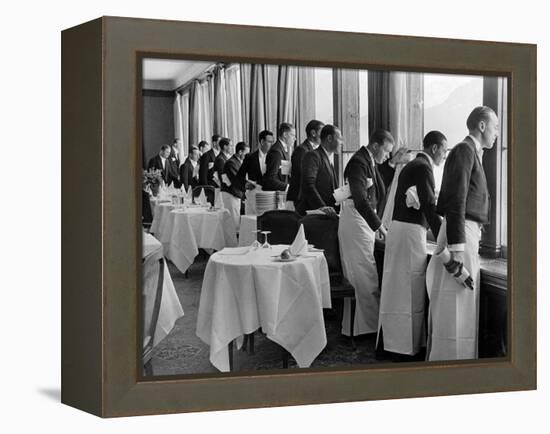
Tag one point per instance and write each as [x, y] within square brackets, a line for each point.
[230, 169]
[319, 180]
[168, 174]
[175, 169]
[251, 167]
[464, 193]
[273, 180]
[205, 174]
[186, 175]
[219, 163]
[369, 202]
[418, 173]
[386, 172]
[296, 170]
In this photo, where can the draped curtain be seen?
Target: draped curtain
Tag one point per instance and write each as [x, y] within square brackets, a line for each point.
[305, 104]
[178, 123]
[233, 104]
[245, 71]
[205, 111]
[185, 123]
[219, 107]
[194, 113]
[406, 96]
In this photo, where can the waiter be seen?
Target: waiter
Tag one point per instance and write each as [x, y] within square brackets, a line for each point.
[253, 167]
[206, 170]
[318, 175]
[312, 142]
[464, 204]
[359, 221]
[277, 161]
[232, 194]
[401, 326]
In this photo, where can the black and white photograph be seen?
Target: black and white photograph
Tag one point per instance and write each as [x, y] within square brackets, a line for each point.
[299, 217]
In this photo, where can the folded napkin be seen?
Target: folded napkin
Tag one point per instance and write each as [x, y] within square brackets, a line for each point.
[189, 195]
[216, 179]
[299, 245]
[218, 203]
[342, 193]
[412, 199]
[233, 251]
[225, 180]
[286, 167]
[202, 198]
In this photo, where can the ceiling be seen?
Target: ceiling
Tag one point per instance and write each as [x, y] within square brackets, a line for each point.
[164, 74]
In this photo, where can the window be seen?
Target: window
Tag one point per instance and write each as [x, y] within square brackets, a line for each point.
[324, 109]
[448, 100]
[363, 107]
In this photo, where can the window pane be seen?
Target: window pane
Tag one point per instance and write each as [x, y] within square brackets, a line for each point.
[324, 110]
[363, 107]
[448, 100]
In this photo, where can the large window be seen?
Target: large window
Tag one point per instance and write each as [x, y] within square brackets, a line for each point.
[324, 108]
[448, 100]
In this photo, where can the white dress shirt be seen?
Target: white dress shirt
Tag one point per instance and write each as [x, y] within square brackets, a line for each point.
[261, 158]
[163, 162]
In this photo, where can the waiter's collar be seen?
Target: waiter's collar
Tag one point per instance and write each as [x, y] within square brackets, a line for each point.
[371, 156]
[284, 145]
[430, 159]
[479, 148]
[193, 163]
[216, 151]
[261, 154]
[313, 144]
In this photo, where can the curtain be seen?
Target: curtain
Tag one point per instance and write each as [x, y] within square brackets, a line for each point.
[205, 111]
[257, 103]
[287, 94]
[233, 104]
[406, 115]
[305, 104]
[378, 90]
[194, 113]
[245, 74]
[185, 123]
[219, 108]
[271, 78]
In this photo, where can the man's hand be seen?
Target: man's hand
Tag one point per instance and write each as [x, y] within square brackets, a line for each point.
[250, 185]
[382, 232]
[330, 211]
[401, 156]
[458, 257]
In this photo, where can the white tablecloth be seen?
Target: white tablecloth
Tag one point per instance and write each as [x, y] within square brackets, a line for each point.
[243, 292]
[170, 307]
[183, 231]
[161, 210]
[248, 224]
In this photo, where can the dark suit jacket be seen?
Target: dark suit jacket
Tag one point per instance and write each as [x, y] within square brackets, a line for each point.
[369, 202]
[387, 172]
[231, 169]
[273, 180]
[219, 163]
[417, 173]
[296, 170]
[319, 180]
[250, 167]
[464, 193]
[205, 174]
[167, 172]
[186, 175]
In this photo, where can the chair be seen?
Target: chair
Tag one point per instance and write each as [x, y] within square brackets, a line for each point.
[146, 212]
[283, 225]
[322, 232]
[153, 280]
[209, 191]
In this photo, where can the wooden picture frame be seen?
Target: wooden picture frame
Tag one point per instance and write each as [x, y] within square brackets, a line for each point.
[101, 239]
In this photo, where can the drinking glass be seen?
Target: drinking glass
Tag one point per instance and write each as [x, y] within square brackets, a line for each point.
[266, 244]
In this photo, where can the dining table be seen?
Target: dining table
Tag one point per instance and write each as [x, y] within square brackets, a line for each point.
[245, 288]
[170, 307]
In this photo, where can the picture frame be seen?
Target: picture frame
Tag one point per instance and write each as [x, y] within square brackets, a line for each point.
[101, 165]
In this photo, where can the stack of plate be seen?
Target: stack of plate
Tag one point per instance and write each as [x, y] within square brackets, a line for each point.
[265, 201]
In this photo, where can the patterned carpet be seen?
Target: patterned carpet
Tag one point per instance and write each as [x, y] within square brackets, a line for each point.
[182, 352]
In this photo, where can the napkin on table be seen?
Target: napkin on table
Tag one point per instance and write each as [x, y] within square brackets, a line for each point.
[189, 195]
[299, 245]
[202, 198]
[218, 203]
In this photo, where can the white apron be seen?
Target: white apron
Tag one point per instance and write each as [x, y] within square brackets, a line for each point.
[404, 289]
[233, 205]
[356, 240]
[454, 309]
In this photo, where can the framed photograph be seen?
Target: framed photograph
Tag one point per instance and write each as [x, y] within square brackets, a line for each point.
[282, 217]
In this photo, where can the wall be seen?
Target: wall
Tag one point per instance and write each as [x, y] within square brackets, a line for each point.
[158, 121]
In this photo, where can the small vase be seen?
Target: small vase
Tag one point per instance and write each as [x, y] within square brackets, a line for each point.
[155, 189]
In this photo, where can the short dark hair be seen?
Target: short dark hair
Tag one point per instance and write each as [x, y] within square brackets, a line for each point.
[283, 128]
[328, 130]
[192, 149]
[202, 144]
[216, 137]
[481, 113]
[165, 147]
[380, 136]
[313, 125]
[224, 142]
[433, 138]
[240, 147]
[175, 141]
[264, 134]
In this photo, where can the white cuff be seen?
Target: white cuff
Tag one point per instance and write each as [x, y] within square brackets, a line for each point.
[456, 247]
